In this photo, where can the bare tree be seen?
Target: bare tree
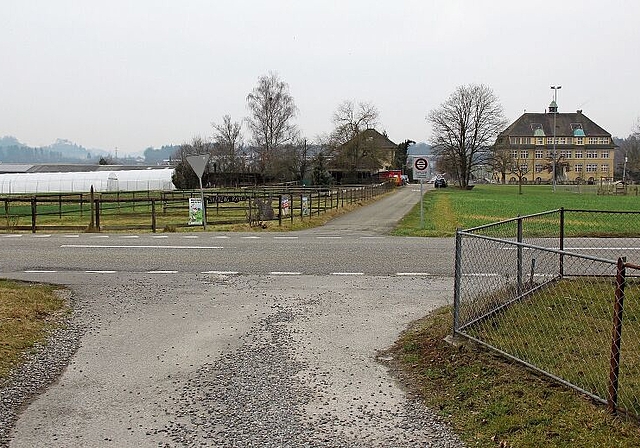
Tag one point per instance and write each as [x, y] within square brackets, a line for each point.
[501, 161]
[228, 141]
[465, 126]
[272, 110]
[351, 119]
[350, 150]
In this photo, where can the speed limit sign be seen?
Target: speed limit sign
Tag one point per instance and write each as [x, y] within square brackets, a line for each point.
[420, 168]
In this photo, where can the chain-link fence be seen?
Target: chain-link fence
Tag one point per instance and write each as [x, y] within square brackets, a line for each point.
[555, 303]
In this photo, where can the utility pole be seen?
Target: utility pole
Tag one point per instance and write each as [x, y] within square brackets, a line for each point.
[554, 107]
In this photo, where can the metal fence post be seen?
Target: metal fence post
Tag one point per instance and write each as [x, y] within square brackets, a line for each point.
[561, 241]
[614, 370]
[280, 210]
[519, 252]
[456, 283]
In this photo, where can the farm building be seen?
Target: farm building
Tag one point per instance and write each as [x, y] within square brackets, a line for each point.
[20, 179]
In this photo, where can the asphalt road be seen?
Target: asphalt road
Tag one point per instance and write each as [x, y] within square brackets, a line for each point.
[181, 328]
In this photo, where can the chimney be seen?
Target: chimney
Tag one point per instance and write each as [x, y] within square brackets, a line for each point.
[579, 111]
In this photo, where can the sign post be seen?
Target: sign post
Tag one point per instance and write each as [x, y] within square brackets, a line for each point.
[421, 171]
[198, 163]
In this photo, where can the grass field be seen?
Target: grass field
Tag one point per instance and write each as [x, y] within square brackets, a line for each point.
[491, 402]
[27, 313]
[449, 208]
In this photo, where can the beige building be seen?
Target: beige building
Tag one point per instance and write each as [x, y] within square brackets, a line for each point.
[583, 150]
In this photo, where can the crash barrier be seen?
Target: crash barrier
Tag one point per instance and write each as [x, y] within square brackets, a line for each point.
[165, 210]
[563, 306]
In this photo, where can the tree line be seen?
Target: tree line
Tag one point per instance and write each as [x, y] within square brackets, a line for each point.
[275, 149]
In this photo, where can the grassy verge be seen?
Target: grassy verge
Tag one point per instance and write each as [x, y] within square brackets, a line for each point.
[27, 313]
[448, 208]
[491, 402]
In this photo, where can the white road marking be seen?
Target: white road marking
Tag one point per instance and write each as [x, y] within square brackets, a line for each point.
[251, 237]
[162, 272]
[328, 237]
[99, 236]
[190, 237]
[133, 246]
[129, 237]
[372, 237]
[221, 236]
[347, 273]
[481, 274]
[13, 235]
[70, 236]
[159, 236]
[221, 272]
[100, 272]
[284, 273]
[37, 271]
[413, 274]
[42, 236]
[285, 237]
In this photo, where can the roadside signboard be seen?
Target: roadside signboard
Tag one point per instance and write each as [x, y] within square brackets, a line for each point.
[420, 167]
[195, 212]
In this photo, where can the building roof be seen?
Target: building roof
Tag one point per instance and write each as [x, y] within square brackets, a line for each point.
[567, 124]
[69, 168]
[373, 138]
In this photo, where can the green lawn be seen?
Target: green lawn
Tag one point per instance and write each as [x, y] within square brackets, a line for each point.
[449, 208]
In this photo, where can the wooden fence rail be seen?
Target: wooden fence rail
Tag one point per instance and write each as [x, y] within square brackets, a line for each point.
[151, 210]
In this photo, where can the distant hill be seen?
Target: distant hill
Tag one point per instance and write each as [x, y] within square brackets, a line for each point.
[420, 148]
[8, 140]
[13, 150]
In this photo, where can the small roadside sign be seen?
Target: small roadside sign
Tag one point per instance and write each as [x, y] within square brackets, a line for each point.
[420, 168]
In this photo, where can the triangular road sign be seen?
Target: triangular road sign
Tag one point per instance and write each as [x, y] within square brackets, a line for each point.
[198, 163]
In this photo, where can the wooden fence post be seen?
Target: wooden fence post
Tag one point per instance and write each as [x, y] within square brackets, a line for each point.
[153, 215]
[33, 214]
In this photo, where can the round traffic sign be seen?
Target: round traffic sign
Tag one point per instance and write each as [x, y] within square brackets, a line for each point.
[421, 164]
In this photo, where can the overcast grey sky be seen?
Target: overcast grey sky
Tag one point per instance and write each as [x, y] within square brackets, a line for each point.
[138, 73]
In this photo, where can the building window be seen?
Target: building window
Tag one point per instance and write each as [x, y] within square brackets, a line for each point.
[538, 167]
[565, 154]
[578, 154]
[603, 140]
[562, 141]
[579, 140]
[592, 154]
[592, 140]
[592, 168]
[514, 154]
[539, 154]
[549, 140]
[577, 167]
[604, 154]
[524, 154]
[539, 141]
[524, 168]
[604, 168]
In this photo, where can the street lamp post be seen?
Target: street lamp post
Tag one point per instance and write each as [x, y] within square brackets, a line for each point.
[624, 168]
[555, 113]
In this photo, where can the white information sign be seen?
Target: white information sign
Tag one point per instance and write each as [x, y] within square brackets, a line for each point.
[420, 167]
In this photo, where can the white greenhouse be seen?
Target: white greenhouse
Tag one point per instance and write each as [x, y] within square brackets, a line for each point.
[81, 182]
